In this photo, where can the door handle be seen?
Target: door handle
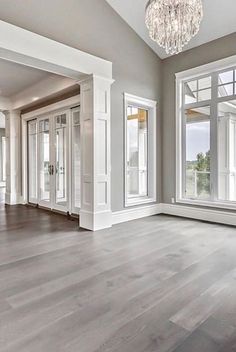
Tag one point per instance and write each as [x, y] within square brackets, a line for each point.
[52, 169]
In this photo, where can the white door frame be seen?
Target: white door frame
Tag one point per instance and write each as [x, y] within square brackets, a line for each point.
[95, 78]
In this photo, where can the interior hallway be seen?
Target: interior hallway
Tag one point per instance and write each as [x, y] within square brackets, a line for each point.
[155, 284]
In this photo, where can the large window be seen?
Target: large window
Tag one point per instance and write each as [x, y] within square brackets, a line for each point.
[140, 136]
[206, 125]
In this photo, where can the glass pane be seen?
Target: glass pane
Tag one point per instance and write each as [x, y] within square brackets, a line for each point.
[58, 121]
[44, 125]
[190, 92]
[44, 177]
[63, 120]
[197, 153]
[32, 127]
[192, 85]
[225, 90]
[204, 82]
[32, 160]
[137, 151]
[227, 150]
[226, 77]
[76, 117]
[204, 94]
[60, 167]
[76, 165]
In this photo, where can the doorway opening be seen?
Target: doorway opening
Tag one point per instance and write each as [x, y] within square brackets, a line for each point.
[94, 77]
[53, 159]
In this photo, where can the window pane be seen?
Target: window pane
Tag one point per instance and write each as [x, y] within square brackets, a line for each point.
[227, 150]
[226, 77]
[76, 165]
[137, 151]
[204, 94]
[44, 125]
[204, 82]
[197, 153]
[190, 89]
[44, 179]
[61, 160]
[225, 90]
[76, 117]
[32, 160]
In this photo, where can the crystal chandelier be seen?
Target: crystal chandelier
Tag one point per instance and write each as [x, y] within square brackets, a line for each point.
[172, 23]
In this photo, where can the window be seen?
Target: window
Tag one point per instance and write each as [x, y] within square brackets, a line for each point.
[206, 126]
[140, 153]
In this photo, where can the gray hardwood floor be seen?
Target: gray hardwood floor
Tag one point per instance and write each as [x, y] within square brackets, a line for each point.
[159, 284]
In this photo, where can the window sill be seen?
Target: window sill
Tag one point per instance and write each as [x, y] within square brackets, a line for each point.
[209, 204]
[139, 201]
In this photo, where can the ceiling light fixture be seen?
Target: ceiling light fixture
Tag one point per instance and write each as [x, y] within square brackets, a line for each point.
[172, 23]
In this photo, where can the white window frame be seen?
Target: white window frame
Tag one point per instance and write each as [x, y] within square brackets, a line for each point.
[188, 75]
[150, 106]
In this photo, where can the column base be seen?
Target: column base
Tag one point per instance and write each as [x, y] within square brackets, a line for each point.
[95, 221]
[13, 198]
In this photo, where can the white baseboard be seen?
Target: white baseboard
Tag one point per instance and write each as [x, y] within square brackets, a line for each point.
[198, 213]
[13, 198]
[135, 213]
[212, 215]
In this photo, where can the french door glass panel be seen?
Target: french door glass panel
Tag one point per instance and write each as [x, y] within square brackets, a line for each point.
[44, 161]
[75, 160]
[60, 136]
[32, 160]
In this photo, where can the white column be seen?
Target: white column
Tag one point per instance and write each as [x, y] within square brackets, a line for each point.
[13, 157]
[95, 213]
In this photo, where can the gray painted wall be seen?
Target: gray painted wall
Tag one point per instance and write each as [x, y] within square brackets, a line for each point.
[94, 27]
[201, 55]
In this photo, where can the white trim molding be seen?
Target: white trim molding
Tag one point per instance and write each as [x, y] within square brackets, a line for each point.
[150, 106]
[95, 118]
[207, 68]
[30, 49]
[136, 213]
[196, 213]
[210, 215]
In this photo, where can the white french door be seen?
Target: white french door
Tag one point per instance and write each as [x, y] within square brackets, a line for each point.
[54, 161]
[59, 170]
[44, 163]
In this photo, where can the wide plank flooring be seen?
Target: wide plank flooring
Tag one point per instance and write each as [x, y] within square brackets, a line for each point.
[158, 284]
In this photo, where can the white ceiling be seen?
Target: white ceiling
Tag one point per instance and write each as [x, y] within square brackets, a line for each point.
[14, 77]
[219, 20]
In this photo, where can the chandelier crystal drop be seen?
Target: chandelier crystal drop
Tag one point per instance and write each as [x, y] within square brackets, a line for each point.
[172, 23]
